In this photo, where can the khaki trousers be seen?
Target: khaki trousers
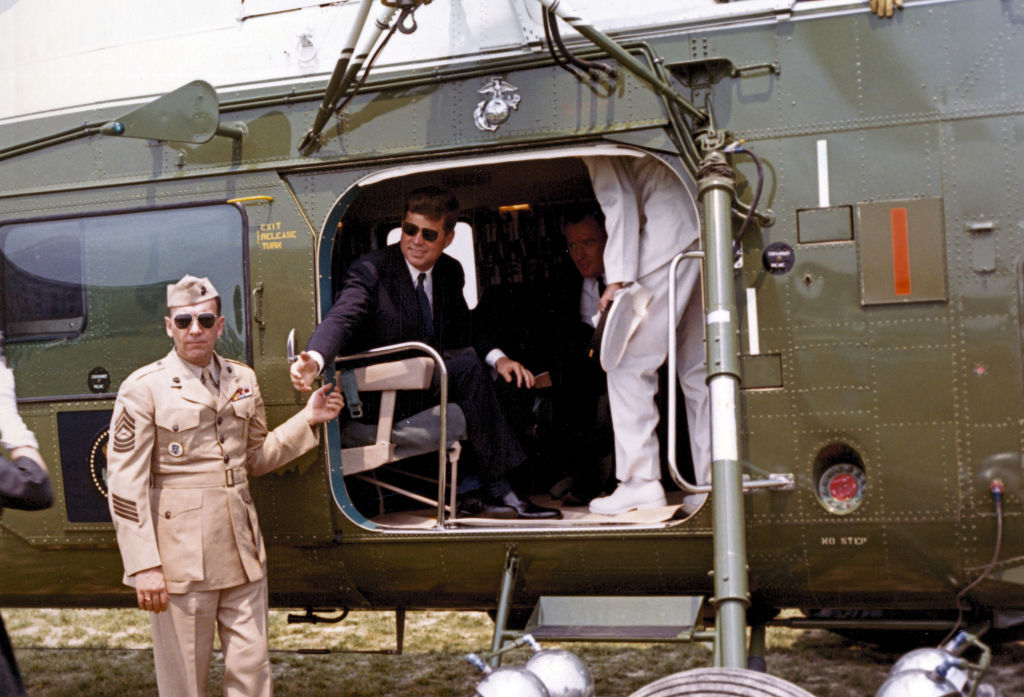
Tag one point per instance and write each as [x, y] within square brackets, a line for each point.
[183, 641]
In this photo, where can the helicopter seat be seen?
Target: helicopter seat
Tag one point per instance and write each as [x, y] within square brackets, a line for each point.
[367, 448]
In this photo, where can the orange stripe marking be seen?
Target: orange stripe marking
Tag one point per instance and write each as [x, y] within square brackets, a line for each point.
[900, 252]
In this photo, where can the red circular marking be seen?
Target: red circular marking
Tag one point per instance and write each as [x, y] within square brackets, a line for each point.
[843, 487]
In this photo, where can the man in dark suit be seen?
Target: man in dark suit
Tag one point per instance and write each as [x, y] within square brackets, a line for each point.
[24, 484]
[412, 291]
[551, 323]
[580, 385]
[576, 422]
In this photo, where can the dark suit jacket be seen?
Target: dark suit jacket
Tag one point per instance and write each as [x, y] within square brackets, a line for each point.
[377, 306]
[539, 323]
[574, 371]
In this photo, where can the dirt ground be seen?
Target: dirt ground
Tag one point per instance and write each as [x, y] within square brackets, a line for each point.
[65, 653]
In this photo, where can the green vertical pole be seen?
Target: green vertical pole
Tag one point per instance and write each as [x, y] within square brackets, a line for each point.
[717, 188]
[758, 647]
[508, 582]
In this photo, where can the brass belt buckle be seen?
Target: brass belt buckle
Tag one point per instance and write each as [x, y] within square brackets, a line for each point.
[229, 477]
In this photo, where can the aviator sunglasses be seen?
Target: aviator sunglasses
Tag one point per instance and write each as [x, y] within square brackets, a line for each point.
[184, 320]
[428, 234]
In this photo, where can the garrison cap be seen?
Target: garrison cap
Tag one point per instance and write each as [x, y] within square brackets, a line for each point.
[190, 291]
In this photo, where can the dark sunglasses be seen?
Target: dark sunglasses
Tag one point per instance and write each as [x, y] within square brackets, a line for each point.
[184, 320]
[428, 234]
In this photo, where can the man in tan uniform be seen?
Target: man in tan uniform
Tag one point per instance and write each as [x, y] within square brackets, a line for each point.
[186, 433]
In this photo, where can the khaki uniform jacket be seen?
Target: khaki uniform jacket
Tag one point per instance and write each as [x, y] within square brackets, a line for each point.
[177, 468]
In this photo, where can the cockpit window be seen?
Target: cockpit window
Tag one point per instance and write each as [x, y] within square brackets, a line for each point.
[98, 284]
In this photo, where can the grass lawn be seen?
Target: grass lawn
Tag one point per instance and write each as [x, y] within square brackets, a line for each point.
[65, 653]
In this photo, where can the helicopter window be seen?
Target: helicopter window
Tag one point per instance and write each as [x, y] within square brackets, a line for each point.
[43, 289]
[101, 280]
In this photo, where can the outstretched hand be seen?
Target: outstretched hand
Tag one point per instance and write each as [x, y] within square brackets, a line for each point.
[324, 404]
[303, 372]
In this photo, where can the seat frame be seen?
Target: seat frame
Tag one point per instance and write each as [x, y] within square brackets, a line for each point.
[365, 461]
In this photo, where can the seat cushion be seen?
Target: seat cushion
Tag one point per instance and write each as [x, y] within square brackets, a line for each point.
[414, 435]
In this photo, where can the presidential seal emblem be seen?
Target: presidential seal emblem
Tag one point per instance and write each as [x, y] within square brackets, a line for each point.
[175, 449]
[98, 461]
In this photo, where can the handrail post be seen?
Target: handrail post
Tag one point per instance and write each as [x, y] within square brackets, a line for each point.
[716, 184]
[673, 360]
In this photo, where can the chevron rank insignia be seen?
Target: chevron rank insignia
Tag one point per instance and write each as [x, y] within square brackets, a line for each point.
[124, 508]
[124, 433]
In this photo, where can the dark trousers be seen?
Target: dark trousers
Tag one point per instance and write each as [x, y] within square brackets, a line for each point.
[494, 446]
[10, 678]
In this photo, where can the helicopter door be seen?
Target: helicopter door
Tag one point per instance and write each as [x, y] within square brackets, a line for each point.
[510, 243]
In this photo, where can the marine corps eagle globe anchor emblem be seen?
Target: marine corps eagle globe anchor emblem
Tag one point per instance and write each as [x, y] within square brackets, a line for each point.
[491, 113]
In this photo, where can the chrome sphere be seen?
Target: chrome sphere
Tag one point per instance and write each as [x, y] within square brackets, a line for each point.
[917, 683]
[511, 682]
[930, 659]
[562, 672]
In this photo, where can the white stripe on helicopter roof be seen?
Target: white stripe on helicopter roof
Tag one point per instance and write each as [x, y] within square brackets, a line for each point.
[63, 55]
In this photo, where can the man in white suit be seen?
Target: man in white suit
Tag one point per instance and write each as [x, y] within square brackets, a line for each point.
[650, 217]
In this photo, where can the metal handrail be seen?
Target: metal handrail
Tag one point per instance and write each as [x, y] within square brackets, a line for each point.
[442, 451]
[673, 465]
[774, 481]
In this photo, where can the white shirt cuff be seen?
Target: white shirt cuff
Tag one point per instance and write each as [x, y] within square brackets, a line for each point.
[315, 355]
[493, 356]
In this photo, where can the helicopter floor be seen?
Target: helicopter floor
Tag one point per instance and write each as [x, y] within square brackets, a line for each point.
[571, 516]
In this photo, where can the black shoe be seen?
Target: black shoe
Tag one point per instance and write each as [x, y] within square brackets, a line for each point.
[571, 498]
[528, 509]
[475, 507]
[525, 508]
[497, 510]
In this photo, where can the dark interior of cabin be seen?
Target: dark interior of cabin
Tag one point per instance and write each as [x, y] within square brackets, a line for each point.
[516, 211]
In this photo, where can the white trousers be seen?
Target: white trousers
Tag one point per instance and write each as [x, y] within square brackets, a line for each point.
[183, 641]
[633, 384]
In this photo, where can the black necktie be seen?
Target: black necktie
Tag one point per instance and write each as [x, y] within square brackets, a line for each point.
[428, 317]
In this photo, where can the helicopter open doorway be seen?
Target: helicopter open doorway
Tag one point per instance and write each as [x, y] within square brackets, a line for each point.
[513, 210]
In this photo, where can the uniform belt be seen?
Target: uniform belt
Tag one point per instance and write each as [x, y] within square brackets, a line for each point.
[194, 480]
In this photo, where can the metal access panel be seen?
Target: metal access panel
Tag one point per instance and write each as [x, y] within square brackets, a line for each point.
[902, 251]
[824, 225]
[616, 618]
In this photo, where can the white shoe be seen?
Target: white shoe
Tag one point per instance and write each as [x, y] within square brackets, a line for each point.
[627, 497]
